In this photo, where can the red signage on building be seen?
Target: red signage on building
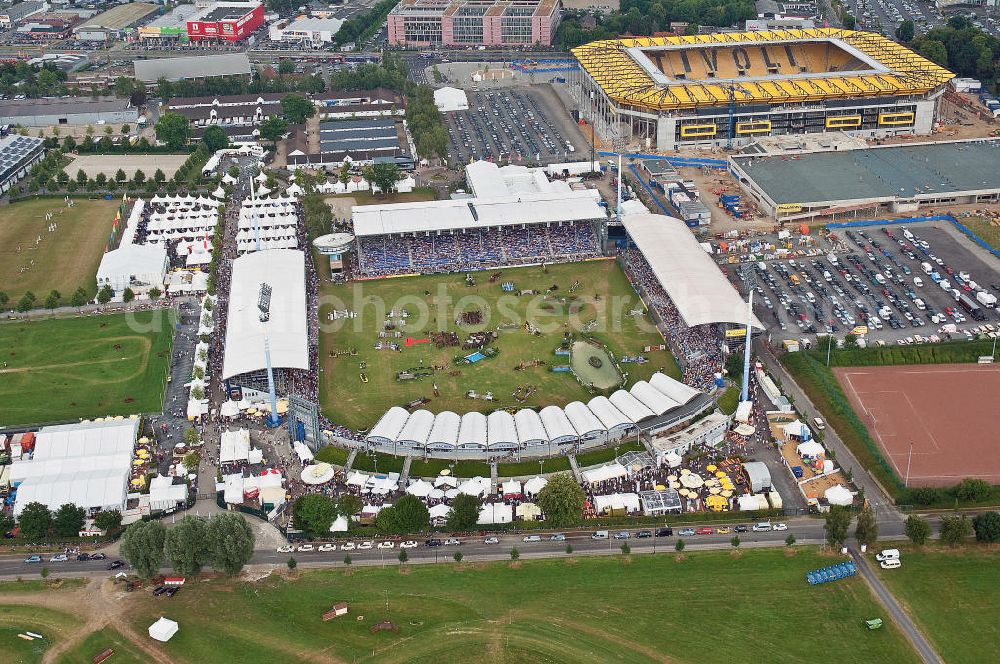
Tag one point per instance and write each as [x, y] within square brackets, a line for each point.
[226, 23]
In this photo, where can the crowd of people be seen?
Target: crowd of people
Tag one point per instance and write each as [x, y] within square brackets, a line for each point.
[698, 349]
[475, 249]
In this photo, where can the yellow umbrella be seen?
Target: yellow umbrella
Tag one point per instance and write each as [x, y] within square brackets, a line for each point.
[445, 471]
[660, 487]
[719, 474]
[137, 462]
[137, 482]
[119, 418]
[671, 478]
[711, 468]
[251, 411]
[144, 441]
[675, 485]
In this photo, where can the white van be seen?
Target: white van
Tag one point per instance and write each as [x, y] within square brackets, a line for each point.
[918, 282]
[892, 563]
[600, 535]
[920, 304]
[926, 267]
[887, 554]
[880, 279]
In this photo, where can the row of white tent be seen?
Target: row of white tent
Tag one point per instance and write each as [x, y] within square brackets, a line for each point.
[182, 200]
[601, 417]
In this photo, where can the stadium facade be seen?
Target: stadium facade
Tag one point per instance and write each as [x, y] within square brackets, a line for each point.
[729, 88]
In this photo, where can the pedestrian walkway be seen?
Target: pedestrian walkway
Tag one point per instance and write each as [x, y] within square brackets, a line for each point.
[350, 460]
[405, 475]
[574, 467]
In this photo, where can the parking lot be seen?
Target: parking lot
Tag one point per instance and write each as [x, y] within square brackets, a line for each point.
[902, 284]
[517, 125]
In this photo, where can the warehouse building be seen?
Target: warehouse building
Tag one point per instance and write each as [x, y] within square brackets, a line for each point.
[305, 30]
[355, 142]
[112, 24]
[17, 155]
[226, 21]
[727, 89]
[193, 67]
[75, 111]
[22, 10]
[169, 29]
[489, 23]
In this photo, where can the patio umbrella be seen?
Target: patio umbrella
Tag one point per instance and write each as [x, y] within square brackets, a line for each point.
[660, 487]
[675, 485]
[684, 471]
[144, 441]
[720, 474]
[714, 491]
[671, 478]
[727, 493]
[711, 468]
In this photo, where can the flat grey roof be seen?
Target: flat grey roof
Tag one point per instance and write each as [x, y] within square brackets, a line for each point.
[72, 106]
[346, 146]
[192, 66]
[343, 125]
[901, 171]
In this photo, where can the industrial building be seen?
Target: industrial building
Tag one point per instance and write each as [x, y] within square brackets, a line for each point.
[355, 142]
[728, 88]
[489, 23]
[193, 67]
[895, 178]
[15, 13]
[17, 155]
[75, 111]
[305, 30]
[354, 104]
[112, 24]
[169, 29]
[226, 21]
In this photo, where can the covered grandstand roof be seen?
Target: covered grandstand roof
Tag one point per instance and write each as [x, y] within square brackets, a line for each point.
[287, 330]
[390, 425]
[583, 419]
[500, 429]
[674, 389]
[655, 400]
[472, 213]
[417, 428]
[557, 425]
[697, 286]
[473, 430]
[624, 70]
[608, 414]
[445, 429]
[529, 427]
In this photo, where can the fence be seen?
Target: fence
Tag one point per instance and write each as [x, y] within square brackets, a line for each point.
[962, 228]
[674, 161]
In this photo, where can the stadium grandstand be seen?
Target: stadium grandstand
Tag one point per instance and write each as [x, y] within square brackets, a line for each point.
[729, 88]
[285, 332]
[516, 216]
[662, 401]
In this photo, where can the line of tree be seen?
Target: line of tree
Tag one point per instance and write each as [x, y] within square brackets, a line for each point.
[226, 542]
[37, 522]
[426, 124]
[313, 514]
[235, 85]
[645, 17]
[360, 27]
[46, 80]
[962, 48]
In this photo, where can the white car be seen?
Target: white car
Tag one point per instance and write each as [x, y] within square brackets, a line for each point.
[451, 541]
[347, 546]
[408, 544]
[532, 538]
[59, 558]
[779, 526]
[364, 546]
[306, 547]
[491, 540]
[288, 548]
[326, 548]
[386, 545]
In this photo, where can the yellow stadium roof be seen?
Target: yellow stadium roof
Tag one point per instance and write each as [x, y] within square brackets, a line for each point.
[894, 70]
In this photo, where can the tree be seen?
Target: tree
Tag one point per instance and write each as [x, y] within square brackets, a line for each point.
[69, 520]
[173, 129]
[515, 554]
[790, 540]
[296, 109]
[6, 522]
[934, 50]
[348, 505]
[142, 547]
[905, 31]
[403, 557]
[159, 176]
[154, 293]
[347, 558]
[973, 490]
[4, 299]
[108, 520]
[138, 177]
[69, 144]
[458, 556]
[126, 129]
[386, 522]
[120, 176]
[215, 139]
[292, 563]
[626, 549]
[138, 97]
[100, 179]
[273, 129]
[52, 301]
[105, 294]
[81, 177]
[987, 527]
[866, 529]
[838, 520]
[917, 529]
[230, 542]
[191, 460]
[286, 66]
[191, 436]
[185, 545]
[735, 541]
[35, 521]
[411, 514]
[128, 295]
[679, 545]
[383, 176]
[26, 302]
[955, 529]
[79, 297]
[44, 572]
[313, 514]
[562, 501]
[464, 513]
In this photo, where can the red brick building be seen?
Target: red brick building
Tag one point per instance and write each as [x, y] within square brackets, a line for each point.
[226, 21]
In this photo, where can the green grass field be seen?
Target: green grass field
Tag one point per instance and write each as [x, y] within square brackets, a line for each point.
[14, 620]
[709, 607]
[65, 259]
[988, 231]
[346, 399]
[66, 368]
[954, 595]
[125, 651]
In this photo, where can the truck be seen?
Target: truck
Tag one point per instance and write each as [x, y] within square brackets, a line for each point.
[986, 299]
[970, 306]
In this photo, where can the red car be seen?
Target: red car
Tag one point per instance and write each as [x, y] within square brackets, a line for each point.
[703, 531]
[949, 270]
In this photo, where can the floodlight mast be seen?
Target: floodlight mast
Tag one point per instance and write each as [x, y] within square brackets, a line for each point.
[264, 305]
[256, 218]
[749, 281]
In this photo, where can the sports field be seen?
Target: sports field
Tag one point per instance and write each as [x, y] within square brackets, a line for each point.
[603, 306]
[954, 596]
[68, 368]
[931, 421]
[65, 259]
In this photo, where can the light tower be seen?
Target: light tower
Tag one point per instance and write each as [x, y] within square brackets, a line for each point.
[748, 279]
[618, 144]
[256, 218]
[264, 305]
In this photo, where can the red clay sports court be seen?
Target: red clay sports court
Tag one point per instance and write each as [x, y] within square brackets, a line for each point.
[947, 412]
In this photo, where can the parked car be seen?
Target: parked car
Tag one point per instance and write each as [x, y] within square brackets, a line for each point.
[491, 540]
[704, 530]
[453, 541]
[83, 556]
[408, 544]
[741, 529]
[532, 538]
[643, 534]
[347, 546]
[665, 532]
[386, 545]
[433, 542]
[33, 559]
[892, 563]
[366, 546]
[98, 556]
[159, 590]
[304, 548]
[622, 535]
[287, 548]
[116, 564]
[558, 537]
[170, 592]
[723, 530]
[59, 558]
[780, 526]
[764, 527]
[685, 532]
[326, 548]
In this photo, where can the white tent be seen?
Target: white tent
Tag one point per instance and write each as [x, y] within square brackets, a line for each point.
[302, 451]
[810, 448]
[451, 99]
[234, 446]
[163, 629]
[339, 525]
[495, 513]
[511, 488]
[748, 503]
[673, 459]
[605, 472]
[357, 478]
[796, 428]
[133, 265]
[534, 485]
[477, 486]
[445, 480]
[420, 489]
[617, 501]
[838, 495]
[164, 494]
[440, 511]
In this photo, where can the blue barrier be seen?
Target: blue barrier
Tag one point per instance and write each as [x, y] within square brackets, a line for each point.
[962, 228]
[673, 161]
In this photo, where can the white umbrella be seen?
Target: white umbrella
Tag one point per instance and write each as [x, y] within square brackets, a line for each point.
[451, 493]
[435, 494]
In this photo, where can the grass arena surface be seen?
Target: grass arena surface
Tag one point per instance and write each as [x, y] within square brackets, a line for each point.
[705, 609]
[347, 400]
[954, 596]
[929, 410]
[59, 369]
[65, 259]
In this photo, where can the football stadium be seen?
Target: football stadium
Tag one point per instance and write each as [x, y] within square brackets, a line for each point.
[728, 88]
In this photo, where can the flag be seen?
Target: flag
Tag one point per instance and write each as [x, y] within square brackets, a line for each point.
[124, 198]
